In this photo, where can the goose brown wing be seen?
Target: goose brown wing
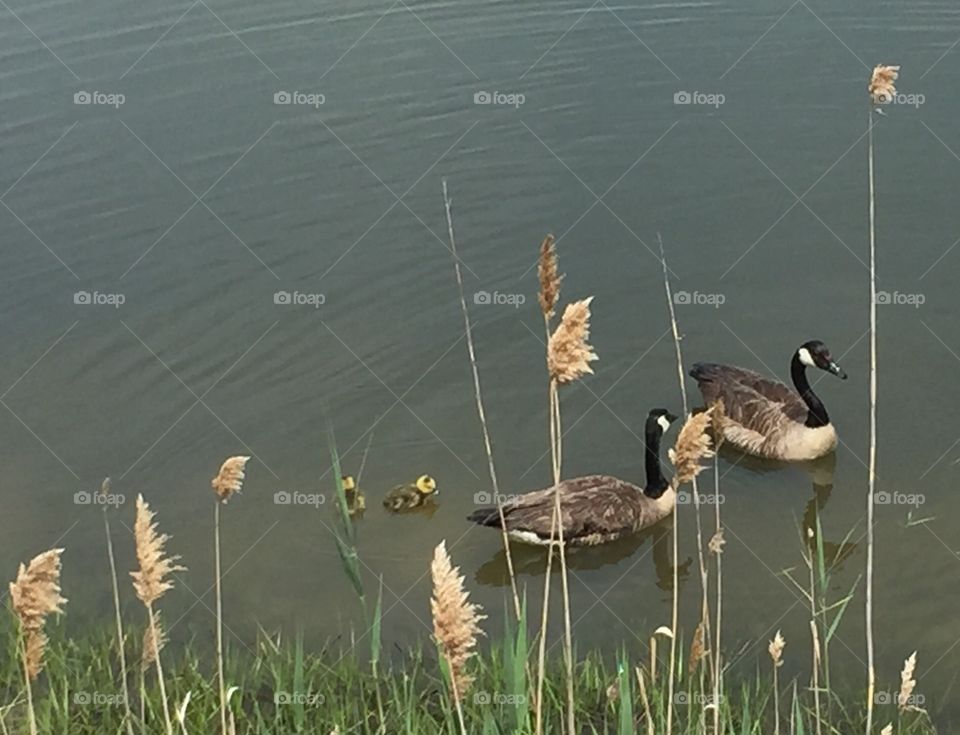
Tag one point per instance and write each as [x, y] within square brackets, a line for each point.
[750, 399]
[595, 504]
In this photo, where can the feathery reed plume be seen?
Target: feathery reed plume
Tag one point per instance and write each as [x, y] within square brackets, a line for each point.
[907, 683]
[568, 353]
[230, 478]
[888, 730]
[106, 487]
[456, 621]
[698, 649]
[881, 88]
[715, 545]
[34, 595]
[692, 446]
[550, 278]
[154, 639]
[150, 581]
[775, 649]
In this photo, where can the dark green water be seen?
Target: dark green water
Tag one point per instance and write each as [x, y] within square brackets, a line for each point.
[198, 199]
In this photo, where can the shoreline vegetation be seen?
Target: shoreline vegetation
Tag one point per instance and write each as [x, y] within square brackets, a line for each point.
[112, 681]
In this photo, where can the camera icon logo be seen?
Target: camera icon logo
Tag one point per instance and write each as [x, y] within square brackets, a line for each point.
[482, 297]
[481, 698]
[82, 497]
[81, 698]
[682, 98]
[82, 297]
[482, 498]
[82, 98]
[883, 297]
[684, 498]
[482, 98]
[282, 497]
[282, 297]
[682, 297]
[282, 98]
[882, 498]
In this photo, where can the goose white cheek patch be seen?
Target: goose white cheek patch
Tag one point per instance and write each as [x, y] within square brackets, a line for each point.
[805, 357]
[664, 424]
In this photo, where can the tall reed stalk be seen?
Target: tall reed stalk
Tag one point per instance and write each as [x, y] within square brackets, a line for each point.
[478, 396]
[118, 619]
[881, 90]
[229, 480]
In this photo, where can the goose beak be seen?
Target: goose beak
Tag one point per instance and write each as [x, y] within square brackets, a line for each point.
[837, 370]
[671, 418]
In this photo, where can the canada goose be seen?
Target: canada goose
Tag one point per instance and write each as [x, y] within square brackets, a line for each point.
[596, 509]
[763, 416]
[411, 495]
[356, 501]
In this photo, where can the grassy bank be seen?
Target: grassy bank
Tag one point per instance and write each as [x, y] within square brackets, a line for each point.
[283, 688]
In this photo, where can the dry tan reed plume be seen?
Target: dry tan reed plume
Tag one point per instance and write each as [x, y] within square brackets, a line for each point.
[907, 683]
[881, 87]
[568, 353]
[35, 595]
[548, 271]
[698, 649]
[150, 581]
[715, 545]
[888, 730]
[230, 478]
[456, 621]
[775, 649]
[154, 639]
[692, 446]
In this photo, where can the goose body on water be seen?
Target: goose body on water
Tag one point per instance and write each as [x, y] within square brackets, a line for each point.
[596, 509]
[766, 418]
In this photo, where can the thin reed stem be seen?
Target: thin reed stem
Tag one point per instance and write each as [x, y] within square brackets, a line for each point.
[815, 638]
[719, 603]
[776, 701]
[31, 716]
[447, 204]
[872, 467]
[541, 654]
[163, 689]
[118, 620]
[223, 691]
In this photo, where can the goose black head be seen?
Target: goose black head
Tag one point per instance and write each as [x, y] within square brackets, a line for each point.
[659, 420]
[815, 354]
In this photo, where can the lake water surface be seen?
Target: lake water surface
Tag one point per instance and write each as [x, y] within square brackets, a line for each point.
[231, 151]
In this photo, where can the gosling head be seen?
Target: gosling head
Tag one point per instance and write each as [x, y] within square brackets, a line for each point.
[815, 354]
[349, 484]
[426, 485]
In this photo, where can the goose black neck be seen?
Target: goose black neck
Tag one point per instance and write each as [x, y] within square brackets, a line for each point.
[816, 411]
[656, 483]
